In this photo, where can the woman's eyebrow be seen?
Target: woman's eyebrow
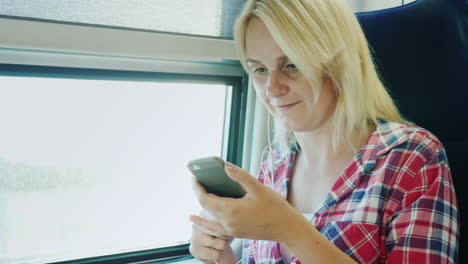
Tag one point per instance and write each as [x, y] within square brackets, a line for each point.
[280, 59]
[252, 61]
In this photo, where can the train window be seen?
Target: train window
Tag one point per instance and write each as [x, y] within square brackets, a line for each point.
[206, 17]
[98, 167]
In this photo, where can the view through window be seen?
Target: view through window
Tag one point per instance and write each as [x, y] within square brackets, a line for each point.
[94, 167]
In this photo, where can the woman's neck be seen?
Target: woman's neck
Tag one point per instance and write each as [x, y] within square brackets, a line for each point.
[317, 146]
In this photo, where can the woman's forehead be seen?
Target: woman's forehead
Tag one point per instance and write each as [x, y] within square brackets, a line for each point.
[257, 31]
[260, 45]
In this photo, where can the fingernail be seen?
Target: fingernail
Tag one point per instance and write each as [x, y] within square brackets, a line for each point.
[230, 166]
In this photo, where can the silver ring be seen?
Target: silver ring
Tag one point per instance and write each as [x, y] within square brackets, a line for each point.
[212, 241]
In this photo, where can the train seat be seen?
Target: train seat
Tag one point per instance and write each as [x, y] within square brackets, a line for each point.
[421, 51]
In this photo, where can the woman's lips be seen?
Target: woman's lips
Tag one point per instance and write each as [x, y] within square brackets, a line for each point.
[287, 106]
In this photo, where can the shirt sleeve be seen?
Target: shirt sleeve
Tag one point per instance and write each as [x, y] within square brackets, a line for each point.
[425, 230]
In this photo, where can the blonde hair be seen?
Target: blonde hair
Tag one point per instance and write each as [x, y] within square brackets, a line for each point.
[324, 36]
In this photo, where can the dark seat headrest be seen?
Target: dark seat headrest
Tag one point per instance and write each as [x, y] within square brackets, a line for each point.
[421, 51]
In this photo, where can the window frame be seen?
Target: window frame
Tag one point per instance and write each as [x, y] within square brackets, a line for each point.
[51, 55]
[160, 255]
[49, 43]
[229, 12]
[235, 133]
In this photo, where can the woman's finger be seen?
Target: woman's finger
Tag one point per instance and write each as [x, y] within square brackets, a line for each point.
[214, 227]
[244, 178]
[210, 232]
[203, 253]
[206, 247]
[209, 201]
[214, 243]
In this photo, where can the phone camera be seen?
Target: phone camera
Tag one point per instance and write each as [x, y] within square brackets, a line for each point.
[195, 167]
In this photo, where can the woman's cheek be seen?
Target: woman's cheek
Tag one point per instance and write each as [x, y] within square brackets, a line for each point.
[258, 89]
[261, 93]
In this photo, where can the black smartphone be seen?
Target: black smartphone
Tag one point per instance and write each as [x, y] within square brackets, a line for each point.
[211, 175]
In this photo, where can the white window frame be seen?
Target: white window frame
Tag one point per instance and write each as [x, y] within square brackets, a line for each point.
[46, 43]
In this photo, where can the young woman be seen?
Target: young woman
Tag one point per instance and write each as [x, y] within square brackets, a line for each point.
[349, 180]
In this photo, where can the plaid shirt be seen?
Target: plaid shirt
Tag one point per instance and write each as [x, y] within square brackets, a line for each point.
[395, 202]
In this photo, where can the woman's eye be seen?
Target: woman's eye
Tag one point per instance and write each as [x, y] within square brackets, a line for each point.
[291, 66]
[259, 70]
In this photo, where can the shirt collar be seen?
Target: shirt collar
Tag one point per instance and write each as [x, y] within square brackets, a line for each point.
[385, 137]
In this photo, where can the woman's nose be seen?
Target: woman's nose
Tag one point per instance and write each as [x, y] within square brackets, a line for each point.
[276, 85]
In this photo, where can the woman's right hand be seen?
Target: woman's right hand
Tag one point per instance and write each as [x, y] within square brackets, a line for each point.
[201, 240]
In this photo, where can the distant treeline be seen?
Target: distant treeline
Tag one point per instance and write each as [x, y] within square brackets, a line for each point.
[18, 176]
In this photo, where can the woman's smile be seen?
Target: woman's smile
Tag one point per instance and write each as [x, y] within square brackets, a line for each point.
[285, 107]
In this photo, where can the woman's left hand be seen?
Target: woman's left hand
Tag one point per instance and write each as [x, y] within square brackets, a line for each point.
[262, 214]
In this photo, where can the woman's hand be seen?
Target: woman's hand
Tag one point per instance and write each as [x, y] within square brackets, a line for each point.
[201, 240]
[262, 214]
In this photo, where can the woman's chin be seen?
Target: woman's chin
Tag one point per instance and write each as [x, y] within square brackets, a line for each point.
[295, 126]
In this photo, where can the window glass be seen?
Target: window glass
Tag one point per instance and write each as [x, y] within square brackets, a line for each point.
[95, 167]
[200, 17]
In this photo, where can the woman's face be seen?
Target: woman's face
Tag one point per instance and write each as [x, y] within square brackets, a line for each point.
[287, 94]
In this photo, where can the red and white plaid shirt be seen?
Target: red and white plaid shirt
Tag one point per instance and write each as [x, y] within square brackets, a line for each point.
[395, 202]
